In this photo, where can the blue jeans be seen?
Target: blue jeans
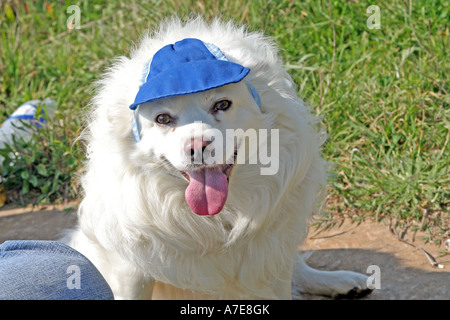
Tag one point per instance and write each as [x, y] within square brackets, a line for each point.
[48, 270]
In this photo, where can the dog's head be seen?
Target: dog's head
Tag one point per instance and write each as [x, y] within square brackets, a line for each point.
[200, 138]
[190, 116]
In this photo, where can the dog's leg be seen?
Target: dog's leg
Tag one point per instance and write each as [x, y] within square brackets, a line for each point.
[336, 284]
[129, 284]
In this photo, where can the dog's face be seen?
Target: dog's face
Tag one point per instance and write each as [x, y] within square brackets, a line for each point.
[198, 138]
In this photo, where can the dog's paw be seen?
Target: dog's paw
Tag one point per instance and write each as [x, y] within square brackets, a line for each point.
[348, 285]
[355, 293]
[335, 284]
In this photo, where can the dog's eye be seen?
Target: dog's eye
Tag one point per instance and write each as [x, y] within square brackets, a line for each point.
[222, 105]
[163, 118]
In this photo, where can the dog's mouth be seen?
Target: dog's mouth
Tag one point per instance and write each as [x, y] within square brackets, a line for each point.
[207, 191]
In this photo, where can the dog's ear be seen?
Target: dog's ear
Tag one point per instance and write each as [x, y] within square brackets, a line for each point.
[115, 92]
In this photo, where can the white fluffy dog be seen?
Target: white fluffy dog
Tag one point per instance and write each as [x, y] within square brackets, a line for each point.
[158, 224]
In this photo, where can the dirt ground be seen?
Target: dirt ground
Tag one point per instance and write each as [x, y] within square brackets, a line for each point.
[404, 270]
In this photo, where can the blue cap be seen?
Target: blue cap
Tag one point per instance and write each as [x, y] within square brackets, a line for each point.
[186, 67]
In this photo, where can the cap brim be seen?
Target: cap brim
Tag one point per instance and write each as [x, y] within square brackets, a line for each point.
[190, 77]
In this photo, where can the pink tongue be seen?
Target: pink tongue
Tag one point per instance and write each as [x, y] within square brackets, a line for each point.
[207, 190]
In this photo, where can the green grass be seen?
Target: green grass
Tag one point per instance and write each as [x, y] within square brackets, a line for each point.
[382, 93]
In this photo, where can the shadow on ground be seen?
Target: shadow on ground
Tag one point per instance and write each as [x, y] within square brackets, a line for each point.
[405, 273]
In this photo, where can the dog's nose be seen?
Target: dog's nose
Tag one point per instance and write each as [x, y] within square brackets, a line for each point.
[195, 148]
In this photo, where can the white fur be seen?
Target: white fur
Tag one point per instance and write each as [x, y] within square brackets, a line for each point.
[135, 224]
